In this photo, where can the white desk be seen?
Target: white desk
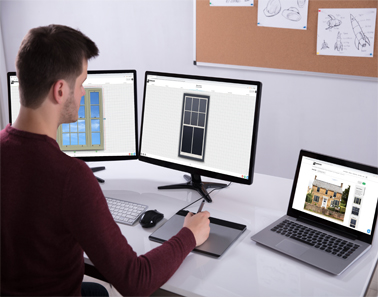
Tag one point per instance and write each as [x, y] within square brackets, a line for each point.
[246, 268]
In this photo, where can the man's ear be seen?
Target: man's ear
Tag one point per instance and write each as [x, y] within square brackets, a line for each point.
[59, 90]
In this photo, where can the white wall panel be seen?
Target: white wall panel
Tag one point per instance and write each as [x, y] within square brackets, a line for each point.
[334, 116]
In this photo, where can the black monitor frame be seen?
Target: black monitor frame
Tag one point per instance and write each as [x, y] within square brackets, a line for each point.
[97, 158]
[196, 173]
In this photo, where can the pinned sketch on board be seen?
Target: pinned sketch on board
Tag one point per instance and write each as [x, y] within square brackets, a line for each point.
[287, 14]
[346, 32]
[231, 2]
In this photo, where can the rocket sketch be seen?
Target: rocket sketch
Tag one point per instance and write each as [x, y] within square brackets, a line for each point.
[361, 38]
[338, 45]
[346, 32]
[333, 22]
[324, 45]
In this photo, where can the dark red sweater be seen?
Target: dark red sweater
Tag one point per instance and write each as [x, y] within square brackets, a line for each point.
[52, 209]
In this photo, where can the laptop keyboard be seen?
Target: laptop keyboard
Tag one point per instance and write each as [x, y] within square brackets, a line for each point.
[325, 242]
[125, 212]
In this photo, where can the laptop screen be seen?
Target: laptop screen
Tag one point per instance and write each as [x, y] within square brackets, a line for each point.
[339, 192]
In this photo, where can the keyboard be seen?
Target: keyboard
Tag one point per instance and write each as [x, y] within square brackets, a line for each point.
[125, 212]
[323, 241]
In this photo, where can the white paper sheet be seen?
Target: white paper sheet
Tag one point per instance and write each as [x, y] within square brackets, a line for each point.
[346, 32]
[288, 14]
[231, 2]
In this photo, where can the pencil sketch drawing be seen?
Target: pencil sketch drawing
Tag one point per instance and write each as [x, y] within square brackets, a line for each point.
[361, 38]
[272, 8]
[338, 45]
[292, 14]
[333, 22]
[301, 3]
[324, 45]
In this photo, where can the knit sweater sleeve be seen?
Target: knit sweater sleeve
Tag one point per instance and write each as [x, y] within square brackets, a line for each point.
[88, 218]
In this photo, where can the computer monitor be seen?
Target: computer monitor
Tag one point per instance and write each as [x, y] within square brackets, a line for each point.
[107, 128]
[204, 126]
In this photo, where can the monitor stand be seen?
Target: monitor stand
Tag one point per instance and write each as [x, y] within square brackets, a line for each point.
[95, 169]
[194, 182]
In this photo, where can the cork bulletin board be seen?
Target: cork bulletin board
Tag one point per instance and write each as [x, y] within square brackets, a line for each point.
[230, 35]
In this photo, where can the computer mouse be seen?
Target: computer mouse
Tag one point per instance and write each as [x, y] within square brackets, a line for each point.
[150, 218]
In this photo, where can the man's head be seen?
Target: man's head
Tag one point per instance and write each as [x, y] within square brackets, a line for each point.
[48, 54]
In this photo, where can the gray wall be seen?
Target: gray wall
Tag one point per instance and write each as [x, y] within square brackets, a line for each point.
[335, 116]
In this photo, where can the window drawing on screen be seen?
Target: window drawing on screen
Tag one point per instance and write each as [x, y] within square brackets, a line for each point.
[193, 126]
[87, 133]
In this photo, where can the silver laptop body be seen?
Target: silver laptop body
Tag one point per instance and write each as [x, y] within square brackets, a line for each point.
[331, 214]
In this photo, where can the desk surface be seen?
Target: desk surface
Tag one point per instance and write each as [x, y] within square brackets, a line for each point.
[246, 268]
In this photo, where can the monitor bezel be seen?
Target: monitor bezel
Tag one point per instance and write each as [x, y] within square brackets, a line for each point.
[334, 226]
[97, 158]
[197, 171]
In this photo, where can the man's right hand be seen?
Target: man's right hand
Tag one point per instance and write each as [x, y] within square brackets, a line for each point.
[199, 224]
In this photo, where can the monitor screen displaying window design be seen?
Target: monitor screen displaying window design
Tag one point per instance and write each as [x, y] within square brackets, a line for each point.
[107, 126]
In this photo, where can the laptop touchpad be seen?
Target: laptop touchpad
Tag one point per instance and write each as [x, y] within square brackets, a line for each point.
[291, 248]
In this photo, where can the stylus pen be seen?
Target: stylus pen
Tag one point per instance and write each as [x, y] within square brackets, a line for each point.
[201, 206]
[100, 180]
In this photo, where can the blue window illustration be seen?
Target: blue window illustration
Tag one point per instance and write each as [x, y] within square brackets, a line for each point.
[87, 132]
[95, 118]
[193, 128]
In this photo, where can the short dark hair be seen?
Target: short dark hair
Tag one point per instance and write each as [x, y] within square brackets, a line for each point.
[48, 54]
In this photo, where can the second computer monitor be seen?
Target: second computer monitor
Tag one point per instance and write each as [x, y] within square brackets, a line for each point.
[201, 125]
[107, 125]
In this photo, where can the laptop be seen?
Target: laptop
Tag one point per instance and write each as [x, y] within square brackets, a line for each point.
[331, 215]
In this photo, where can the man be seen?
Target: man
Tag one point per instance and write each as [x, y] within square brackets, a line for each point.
[52, 208]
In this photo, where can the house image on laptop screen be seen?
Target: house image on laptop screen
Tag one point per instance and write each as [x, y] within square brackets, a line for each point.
[327, 199]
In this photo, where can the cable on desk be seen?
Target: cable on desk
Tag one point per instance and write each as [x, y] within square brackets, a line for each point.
[203, 196]
[191, 203]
